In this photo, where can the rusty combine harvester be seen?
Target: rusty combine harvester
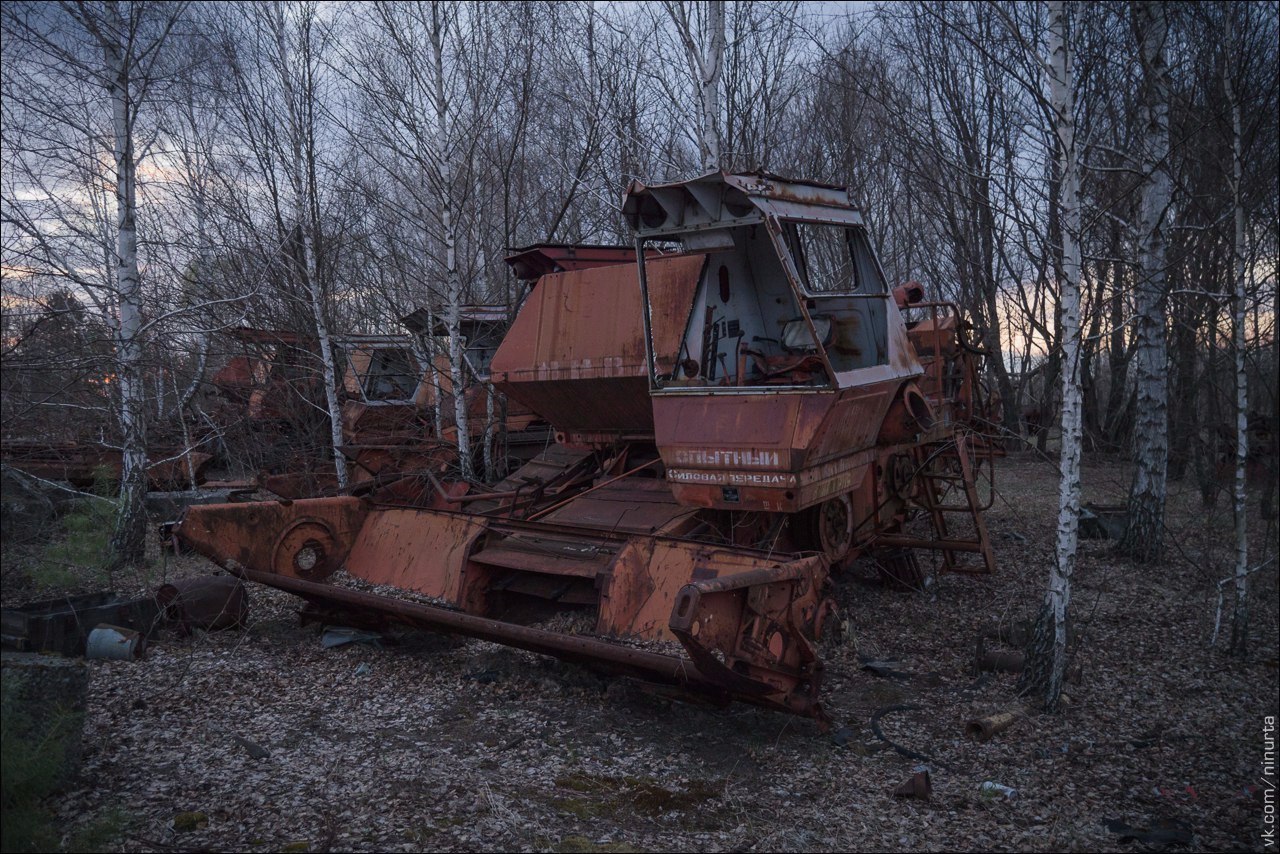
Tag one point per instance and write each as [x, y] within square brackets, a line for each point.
[740, 412]
[386, 395]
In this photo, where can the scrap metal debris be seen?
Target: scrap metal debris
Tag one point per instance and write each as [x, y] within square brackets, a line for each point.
[984, 728]
[918, 786]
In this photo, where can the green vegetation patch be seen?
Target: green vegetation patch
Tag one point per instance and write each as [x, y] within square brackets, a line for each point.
[588, 796]
[83, 549]
[32, 765]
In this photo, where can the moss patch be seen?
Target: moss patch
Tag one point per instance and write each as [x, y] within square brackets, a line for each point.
[600, 797]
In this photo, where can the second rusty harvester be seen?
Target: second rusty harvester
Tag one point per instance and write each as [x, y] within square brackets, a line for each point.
[739, 409]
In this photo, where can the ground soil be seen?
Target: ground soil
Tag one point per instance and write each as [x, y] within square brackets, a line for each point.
[277, 744]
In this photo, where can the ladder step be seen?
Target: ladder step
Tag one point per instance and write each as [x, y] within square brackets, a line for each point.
[936, 545]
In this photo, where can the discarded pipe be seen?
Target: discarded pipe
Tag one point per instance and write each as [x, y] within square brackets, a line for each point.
[115, 643]
[1001, 661]
[983, 729]
[1014, 661]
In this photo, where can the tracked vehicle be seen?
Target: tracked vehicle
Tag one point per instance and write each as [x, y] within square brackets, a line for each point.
[740, 412]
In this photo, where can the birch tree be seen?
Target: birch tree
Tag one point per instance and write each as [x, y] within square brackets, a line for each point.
[699, 27]
[1046, 668]
[1248, 78]
[1144, 534]
[297, 55]
[1240, 614]
[119, 48]
[276, 94]
[429, 83]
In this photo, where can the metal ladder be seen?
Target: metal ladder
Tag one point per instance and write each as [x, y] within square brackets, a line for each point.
[941, 467]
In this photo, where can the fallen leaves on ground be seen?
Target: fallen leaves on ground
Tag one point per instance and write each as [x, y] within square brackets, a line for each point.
[440, 743]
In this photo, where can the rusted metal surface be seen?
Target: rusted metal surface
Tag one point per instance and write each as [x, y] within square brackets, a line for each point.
[586, 369]
[82, 464]
[633, 506]
[554, 472]
[727, 431]
[382, 371]
[918, 787]
[298, 485]
[639, 592]
[985, 728]
[714, 601]
[655, 667]
[300, 539]
[725, 199]
[756, 632]
[387, 395]
[536, 261]
[277, 371]
[422, 551]
[1001, 661]
[908, 294]
[1016, 633]
[210, 603]
[771, 452]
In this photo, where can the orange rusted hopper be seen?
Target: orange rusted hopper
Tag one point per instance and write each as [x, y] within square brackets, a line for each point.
[740, 409]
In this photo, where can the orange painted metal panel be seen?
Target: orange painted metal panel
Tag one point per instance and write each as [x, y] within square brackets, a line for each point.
[642, 585]
[300, 539]
[576, 352]
[418, 550]
[632, 506]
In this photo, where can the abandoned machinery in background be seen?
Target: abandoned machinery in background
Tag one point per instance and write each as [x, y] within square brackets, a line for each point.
[740, 411]
[387, 393]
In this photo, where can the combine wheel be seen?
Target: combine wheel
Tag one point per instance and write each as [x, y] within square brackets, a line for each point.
[306, 550]
[828, 527]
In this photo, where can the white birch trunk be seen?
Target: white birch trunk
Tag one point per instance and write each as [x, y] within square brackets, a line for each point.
[433, 374]
[711, 65]
[1240, 615]
[1048, 650]
[432, 350]
[1144, 534]
[1059, 594]
[705, 62]
[482, 258]
[316, 294]
[457, 377]
[202, 362]
[298, 178]
[453, 279]
[129, 538]
[158, 379]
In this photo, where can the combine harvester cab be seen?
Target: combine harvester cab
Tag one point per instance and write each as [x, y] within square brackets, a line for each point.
[739, 409]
